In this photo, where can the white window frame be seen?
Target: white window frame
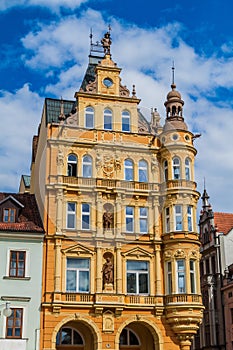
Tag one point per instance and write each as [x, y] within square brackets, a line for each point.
[178, 218]
[71, 164]
[86, 214]
[169, 277]
[190, 218]
[180, 276]
[89, 113]
[137, 275]
[142, 170]
[70, 213]
[107, 114]
[125, 120]
[129, 167]
[192, 276]
[87, 166]
[130, 217]
[143, 218]
[187, 169]
[78, 270]
[167, 220]
[176, 168]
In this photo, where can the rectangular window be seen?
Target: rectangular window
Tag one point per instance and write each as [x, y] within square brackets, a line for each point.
[8, 215]
[167, 219]
[71, 215]
[14, 324]
[143, 220]
[129, 218]
[85, 216]
[137, 277]
[192, 276]
[190, 218]
[178, 218]
[169, 277]
[17, 263]
[181, 276]
[77, 275]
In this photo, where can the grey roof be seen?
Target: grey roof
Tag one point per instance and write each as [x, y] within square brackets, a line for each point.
[53, 109]
[89, 76]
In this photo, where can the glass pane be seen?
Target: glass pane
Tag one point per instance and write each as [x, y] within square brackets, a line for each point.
[85, 208]
[133, 339]
[71, 221]
[18, 313]
[21, 255]
[85, 222]
[83, 281]
[129, 210]
[143, 283]
[87, 170]
[17, 332]
[129, 224]
[123, 337]
[131, 283]
[143, 175]
[72, 158]
[125, 124]
[143, 211]
[137, 265]
[77, 263]
[143, 225]
[128, 174]
[9, 332]
[71, 207]
[181, 282]
[77, 338]
[66, 336]
[71, 281]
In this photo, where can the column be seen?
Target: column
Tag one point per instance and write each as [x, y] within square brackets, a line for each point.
[158, 290]
[59, 201]
[118, 223]
[118, 269]
[99, 214]
[57, 275]
[98, 268]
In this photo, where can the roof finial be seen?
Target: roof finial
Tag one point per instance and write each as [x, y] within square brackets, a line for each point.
[91, 36]
[173, 72]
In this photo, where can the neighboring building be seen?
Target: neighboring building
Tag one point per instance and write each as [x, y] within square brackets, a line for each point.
[24, 186]
[21, 246]
[118, 199]
[216, 236]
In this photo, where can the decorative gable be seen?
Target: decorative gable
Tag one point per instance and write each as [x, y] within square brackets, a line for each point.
[77, 250]
[138, 252]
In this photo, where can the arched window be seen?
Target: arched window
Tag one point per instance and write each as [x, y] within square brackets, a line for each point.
[142, 171]
[69, 336]
[176, 168]
[187, 169]
[128, 337]
[129, 170]
[89, 117]
[107, 119]
[125, 121]
[87, 166]
[72, 165]
[165, 169]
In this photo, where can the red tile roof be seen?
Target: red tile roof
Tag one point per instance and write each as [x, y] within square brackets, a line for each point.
[223, 221]
[29, 219]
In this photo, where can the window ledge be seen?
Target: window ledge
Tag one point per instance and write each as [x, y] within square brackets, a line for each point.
[16, 278]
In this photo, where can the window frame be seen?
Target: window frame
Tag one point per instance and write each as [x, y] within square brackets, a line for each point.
[167, 220]
[10, 216]
[180, 276]
[192, 271]
[18, 252]
[187, 169]
[125, 121]
[73, 330]
[87, 166]
[89, 113]
[129, 218]
[142, 171]
[71, 214]
[129, 169]
[178, 222]
[169, 277]
[142, 219]
[72, 165]
[165, 170]
[176, 168]
[190, 217]
[14, 327]
[107, 123]
[78, 271]
[137, 274]
[86, 214]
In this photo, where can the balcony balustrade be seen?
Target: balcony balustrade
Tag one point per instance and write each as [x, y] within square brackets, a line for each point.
[183, 298]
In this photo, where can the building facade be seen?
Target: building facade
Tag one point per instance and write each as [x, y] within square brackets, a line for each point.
[118, 199]
[216, 250]
[21, 247]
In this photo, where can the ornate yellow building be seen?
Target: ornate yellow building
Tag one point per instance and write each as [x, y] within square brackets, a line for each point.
[118, 201]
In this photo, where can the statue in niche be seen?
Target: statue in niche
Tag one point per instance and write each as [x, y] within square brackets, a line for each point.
[107, 220]
[108, 271]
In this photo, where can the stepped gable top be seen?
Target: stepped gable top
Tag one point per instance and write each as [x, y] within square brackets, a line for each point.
[27, 216]
[224, 222]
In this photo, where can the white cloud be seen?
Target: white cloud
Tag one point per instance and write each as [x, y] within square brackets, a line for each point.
[20, 113]
[51, 4]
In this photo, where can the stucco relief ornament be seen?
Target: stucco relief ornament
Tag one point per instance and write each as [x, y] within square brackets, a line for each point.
[108, 167]
[92, 86]
[72, 119]
[60, 158]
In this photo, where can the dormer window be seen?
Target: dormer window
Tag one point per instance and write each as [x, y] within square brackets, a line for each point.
[9, 215]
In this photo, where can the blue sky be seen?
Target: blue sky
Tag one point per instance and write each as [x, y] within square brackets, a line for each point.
[44, 53]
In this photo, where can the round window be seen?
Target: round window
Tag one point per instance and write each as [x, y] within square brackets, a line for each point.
[108, 82]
